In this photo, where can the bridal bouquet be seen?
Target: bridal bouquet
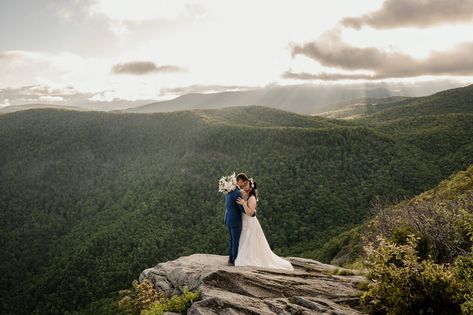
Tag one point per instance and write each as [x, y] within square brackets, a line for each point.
[227, 183]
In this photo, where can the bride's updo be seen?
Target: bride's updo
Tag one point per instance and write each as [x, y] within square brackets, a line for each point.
[253, 191]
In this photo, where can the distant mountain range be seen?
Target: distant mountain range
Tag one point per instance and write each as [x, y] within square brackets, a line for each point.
[308, 99]
[16, 108]
[298, 99]
[301, 99]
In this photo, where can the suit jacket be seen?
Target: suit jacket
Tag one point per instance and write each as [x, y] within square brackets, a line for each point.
[233, 210]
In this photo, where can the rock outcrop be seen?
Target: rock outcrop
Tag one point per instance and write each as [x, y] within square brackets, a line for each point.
[312, 288]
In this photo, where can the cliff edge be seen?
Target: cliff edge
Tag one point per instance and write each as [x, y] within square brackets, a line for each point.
[312, 288]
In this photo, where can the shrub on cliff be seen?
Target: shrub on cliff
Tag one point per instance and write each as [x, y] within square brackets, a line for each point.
[176, 303]
[143, 299]
[402, 283]
[140, 297]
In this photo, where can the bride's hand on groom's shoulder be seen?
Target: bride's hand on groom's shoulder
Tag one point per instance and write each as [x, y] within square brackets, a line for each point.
[241, 201]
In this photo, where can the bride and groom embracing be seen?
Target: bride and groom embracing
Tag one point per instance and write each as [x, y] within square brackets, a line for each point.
[248, 244]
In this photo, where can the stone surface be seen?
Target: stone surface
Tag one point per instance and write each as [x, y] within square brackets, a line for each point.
[312, 288]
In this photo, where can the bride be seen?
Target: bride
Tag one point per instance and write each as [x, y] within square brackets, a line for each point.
[253, 249]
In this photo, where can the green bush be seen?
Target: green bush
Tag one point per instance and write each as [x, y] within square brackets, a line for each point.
[176, 303]
[342, 249]
[140, 297]
[464, 273]
[401, 283]
[343, 272]
[401, 235]
[440, 224]
[420, 254]
[143, 299]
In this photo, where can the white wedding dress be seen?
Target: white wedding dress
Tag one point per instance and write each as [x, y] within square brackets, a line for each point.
[254, 250]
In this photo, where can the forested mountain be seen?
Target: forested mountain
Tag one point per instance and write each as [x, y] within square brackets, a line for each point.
[16, 108]
[308, 99]
[396, 106]
[454, 101]
[357, 108]
[90, 199]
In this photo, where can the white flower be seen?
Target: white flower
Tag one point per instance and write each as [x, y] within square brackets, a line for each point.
[227, 183]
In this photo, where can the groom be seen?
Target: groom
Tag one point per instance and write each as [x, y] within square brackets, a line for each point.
[233, 213]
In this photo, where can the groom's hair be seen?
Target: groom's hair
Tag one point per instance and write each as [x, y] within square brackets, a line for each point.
[242, 176]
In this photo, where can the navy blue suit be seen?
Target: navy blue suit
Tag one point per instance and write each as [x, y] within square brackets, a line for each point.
[233, 213]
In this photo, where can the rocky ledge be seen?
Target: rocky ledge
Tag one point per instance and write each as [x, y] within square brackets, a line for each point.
[312, 288]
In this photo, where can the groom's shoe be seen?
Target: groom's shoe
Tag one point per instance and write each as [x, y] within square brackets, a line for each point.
[230, 263]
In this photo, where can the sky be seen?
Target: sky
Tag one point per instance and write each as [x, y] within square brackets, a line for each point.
[111, 51]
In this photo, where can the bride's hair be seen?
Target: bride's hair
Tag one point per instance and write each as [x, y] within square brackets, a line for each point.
[242, 176]
[253, 191]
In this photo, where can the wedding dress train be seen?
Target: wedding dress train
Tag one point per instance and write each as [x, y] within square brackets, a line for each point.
[254, 250]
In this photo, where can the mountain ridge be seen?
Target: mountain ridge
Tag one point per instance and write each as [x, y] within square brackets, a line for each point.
[436, 104]
[15, 108]
[300, 99]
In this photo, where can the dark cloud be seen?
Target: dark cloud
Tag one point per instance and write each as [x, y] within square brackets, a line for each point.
[143, 67]
[425, 13]
[331, 51]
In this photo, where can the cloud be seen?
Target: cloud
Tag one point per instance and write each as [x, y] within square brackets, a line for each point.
[408, 13]
[22, 57]
[38, 94]
[37, 91]
[143, 67]
[6, 102]
[331, 51]
[9, 55]
[42, 94]
[21, 68]
[202, 89]
[170, 68]
[73, 9]
[144, 10]
[52, 99]
[327, 76]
